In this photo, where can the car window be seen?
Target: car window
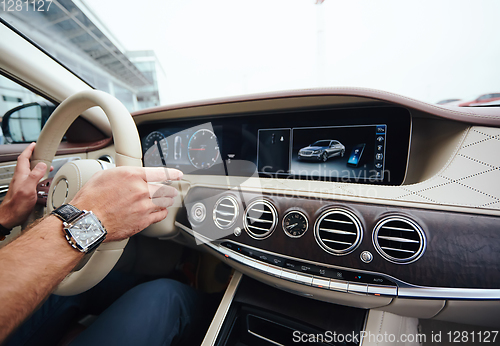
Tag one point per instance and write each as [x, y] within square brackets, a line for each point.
[22, 113]
[322, 143]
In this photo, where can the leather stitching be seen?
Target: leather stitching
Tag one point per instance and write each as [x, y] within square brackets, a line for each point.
[476, 190]
[469, 176]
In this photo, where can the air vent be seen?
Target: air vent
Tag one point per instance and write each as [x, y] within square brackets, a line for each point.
[260, 219]
[225, 212]
[399, 240]
[338, 231]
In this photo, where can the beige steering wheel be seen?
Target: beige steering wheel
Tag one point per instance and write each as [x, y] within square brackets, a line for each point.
[73, 175]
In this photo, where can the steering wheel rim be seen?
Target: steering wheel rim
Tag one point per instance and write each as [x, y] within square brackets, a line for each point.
[128, 153]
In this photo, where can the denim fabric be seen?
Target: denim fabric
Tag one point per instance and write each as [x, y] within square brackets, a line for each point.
[160, 312]
[153, 313]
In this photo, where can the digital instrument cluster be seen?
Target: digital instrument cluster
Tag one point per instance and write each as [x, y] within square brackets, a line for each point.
[363, 145]
[195, 148]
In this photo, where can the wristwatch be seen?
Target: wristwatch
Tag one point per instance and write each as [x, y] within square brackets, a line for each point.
[82, 228]
[4, 232]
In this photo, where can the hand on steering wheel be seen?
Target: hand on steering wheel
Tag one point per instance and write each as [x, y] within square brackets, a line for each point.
[73, 175]
[21, 196]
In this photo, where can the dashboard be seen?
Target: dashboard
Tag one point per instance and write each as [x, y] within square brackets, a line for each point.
[359, 201]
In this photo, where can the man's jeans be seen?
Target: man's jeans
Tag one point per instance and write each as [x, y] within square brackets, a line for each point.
[160, 312]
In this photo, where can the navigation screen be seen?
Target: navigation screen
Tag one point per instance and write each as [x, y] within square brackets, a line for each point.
[332, 153]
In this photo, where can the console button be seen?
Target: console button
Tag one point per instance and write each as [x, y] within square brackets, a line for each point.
[304, 279]
[390, 291]
[228, 245]
[339, 274]
[292, 265]
[337, 285]
[271, 259]
[261, 266]
[198, 212]
[371, 279]
[321, 282]
[248, 252]
[272, 270]
[261, 257]
[288, 275]
[357, 288]
[379, 280]
[302, 267]
[247, 261]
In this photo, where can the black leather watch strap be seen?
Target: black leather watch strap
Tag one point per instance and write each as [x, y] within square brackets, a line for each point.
[67, 212]
[4, 232]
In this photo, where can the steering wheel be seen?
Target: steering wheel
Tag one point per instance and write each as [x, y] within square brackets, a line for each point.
[73, 175]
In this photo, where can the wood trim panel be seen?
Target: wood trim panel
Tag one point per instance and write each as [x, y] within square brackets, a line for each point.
[10, 152]
[462, 249]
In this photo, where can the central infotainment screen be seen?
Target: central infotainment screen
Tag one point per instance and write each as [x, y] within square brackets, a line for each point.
[352, 153]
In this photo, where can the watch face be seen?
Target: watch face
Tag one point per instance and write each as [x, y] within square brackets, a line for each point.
[86, 230]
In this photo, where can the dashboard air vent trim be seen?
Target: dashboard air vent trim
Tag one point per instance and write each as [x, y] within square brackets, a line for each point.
[399, 240]
[226, 211]
[260, 219]
[338, 231]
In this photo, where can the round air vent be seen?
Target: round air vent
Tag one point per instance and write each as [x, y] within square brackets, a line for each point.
[260, 219]
[338, 231]
[225, 212]
[399, 240]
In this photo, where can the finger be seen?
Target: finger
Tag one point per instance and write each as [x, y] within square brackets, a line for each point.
[156, 191]
[163, 202]
[51, 168]
[23, 160]
[158, 216]
[158, 174]
[37, 173]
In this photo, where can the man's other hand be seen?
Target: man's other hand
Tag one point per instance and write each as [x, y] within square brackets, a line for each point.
[126, 200]
[21, 197]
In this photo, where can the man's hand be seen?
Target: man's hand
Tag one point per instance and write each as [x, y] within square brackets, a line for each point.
[21, 197]
[124, 199]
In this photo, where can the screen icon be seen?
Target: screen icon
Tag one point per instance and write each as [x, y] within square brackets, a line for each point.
[356, 153]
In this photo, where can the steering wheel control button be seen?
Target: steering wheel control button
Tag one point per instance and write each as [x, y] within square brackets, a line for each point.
[321, 282]
[357, 288]
[382, 291]
[237, 231]
[366, 256]
[336, 285]
[198, 212]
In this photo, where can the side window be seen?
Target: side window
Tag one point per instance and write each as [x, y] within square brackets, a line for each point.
[22, 113]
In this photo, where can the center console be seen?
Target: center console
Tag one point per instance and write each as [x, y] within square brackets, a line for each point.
[259, 314]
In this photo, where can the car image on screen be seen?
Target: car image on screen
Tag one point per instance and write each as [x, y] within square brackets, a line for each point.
[322, 150]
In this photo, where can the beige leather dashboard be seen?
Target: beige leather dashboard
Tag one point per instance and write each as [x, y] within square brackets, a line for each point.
[451, 170]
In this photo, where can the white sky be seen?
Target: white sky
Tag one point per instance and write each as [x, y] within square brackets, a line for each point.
[428, 50]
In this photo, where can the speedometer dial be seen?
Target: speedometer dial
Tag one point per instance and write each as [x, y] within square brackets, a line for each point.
[203, 149]
[156, 146]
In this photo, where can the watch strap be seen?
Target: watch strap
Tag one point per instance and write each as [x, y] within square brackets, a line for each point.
[67, 212]
[4, 232]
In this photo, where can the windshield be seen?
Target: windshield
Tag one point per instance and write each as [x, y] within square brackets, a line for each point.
[152, 53]
[321, 144]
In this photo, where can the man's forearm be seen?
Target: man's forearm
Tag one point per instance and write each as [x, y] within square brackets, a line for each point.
[32, 266]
